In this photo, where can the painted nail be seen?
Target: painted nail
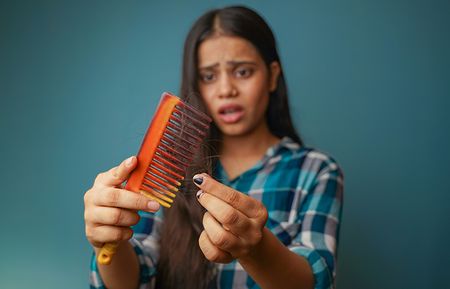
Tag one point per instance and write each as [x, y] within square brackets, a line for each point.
[199, 194]
[198, 180]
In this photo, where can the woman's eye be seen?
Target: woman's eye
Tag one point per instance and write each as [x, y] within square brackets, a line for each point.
[244, 72]
[207, 77]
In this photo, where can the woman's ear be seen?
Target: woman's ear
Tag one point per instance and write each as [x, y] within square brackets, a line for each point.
[275, 70]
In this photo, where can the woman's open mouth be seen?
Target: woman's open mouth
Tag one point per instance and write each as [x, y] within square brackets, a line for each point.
[231, 113]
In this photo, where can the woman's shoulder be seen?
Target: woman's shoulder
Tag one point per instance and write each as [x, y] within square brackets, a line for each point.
[311, 166]
[309, 158]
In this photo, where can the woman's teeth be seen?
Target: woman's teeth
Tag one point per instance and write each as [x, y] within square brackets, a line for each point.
[231, 115]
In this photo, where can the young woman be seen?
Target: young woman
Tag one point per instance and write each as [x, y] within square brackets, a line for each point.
[261, 211]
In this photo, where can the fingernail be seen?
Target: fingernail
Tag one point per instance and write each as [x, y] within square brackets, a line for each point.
[129, 161]
[199, 194]
[198, 179]
[153, 206]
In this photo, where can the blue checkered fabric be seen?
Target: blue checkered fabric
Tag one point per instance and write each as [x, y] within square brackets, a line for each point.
[302, 190]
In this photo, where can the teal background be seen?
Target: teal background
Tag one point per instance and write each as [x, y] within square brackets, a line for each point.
[369, 83]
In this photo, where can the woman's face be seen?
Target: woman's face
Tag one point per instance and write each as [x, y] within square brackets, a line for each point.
[235, 83]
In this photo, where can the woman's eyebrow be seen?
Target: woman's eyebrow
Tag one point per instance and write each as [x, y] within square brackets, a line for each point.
[208, 67]
[237, 63]
[233, 63]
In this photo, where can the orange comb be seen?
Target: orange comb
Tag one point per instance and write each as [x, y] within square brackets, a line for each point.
[175, 132]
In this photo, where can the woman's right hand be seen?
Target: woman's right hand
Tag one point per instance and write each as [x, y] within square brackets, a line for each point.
[109, 210]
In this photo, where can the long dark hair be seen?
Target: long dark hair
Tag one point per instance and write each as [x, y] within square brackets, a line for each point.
[181, 262]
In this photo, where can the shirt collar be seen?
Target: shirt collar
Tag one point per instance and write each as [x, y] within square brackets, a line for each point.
[286, 143]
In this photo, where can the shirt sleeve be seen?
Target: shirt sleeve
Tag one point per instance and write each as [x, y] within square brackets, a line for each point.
[319, 215]
[145, 243]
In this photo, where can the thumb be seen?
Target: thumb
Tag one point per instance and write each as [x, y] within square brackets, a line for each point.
[119, 174]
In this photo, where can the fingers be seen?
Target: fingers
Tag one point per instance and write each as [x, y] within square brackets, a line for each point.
[245, 204]
[228, 216]
[121, 198]
[98, 235]
[220, 237]
[233, 223]
[211, 252]
[111, 216]
[110, 211]
[117, 175]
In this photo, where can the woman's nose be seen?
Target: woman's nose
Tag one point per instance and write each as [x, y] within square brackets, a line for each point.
[226, 88]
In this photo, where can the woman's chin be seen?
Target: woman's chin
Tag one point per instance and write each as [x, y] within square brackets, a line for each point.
[232, 130]
[235, 130]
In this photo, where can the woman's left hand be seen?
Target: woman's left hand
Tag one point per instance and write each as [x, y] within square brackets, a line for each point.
[233, 224]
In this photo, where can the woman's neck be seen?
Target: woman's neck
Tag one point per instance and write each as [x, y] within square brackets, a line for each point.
[239, 153]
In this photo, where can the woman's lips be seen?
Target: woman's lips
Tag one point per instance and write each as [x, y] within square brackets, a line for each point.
[231, 113]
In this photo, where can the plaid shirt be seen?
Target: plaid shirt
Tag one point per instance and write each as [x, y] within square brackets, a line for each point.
[302, 190]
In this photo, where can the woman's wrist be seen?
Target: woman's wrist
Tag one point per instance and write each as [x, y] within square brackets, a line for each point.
[272, 265]
[260, 252]
[123, 272]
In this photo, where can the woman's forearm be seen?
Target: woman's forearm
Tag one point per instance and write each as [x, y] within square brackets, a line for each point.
[123, 272]
[272, 265]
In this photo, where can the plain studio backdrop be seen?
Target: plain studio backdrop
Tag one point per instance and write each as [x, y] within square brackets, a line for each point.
[369, 83]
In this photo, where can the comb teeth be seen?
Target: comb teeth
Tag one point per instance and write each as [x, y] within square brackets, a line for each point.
[169, 146]
[175, 133]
